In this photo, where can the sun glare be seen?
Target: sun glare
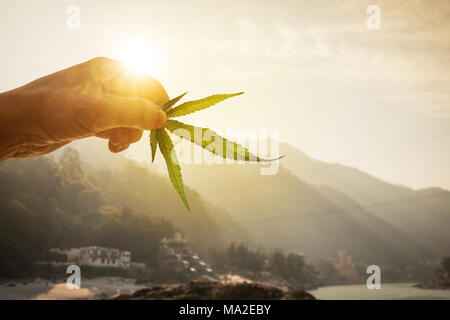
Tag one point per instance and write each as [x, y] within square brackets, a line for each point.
[139, 55]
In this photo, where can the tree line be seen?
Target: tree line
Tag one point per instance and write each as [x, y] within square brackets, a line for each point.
[45, 204]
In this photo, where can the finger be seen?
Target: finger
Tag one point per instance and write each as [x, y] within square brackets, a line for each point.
[105, 69]
[117, 79]
[34, 151]
[130, 84]
[105, 134]
[91, 73]
[120, 136]
[115, 111]
[115, 149]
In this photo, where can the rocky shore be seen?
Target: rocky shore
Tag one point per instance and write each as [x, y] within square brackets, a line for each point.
[438, 285]
[208, 290]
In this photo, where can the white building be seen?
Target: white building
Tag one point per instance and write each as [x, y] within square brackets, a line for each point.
[97, 256]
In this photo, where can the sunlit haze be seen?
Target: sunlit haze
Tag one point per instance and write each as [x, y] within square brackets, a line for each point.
[140, 56]
[377, 100]
[341, 191]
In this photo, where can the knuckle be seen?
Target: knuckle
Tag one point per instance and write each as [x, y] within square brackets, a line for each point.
[160, 119]
[159, 94]
[105, 61]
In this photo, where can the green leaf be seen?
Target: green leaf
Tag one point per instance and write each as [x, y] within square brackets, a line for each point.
[196, 105]
[166, 147]
[171, 103]
[230, 149]
[153, 143]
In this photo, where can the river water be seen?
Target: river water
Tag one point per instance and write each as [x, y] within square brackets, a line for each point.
[45, 290]
[389, 291]
[92, 288]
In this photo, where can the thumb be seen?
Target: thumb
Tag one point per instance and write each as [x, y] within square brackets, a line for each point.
[133, 112]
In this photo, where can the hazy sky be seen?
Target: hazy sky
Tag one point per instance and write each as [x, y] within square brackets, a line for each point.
[377, 100]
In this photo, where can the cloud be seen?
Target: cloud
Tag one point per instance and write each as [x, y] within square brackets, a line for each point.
[329, 43]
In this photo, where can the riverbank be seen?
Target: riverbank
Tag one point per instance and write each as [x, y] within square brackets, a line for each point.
[230, 287]
[41, 289]
[436, 285]
[388, 291]
[201, 289]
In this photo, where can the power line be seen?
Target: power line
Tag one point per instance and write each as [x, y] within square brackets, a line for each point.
[325, 212]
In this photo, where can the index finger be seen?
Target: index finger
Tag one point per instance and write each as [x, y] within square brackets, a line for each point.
[116, 79]
[131, 84]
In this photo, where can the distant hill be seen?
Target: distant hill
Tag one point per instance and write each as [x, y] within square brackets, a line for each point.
[422, 215]
[282, 211]
[126, 183]
[319, 208]
[64, 203]
[309, 206]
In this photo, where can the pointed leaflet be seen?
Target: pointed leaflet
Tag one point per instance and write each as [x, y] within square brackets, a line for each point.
[171, 103]
[196, 105]
[153, 142]
[166, 147]
[206, 139]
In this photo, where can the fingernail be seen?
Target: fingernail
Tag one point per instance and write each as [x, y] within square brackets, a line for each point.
[122, 147]
[117, 147]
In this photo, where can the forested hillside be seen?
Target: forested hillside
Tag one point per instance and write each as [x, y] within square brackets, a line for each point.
[113, 201]
[420, 217]
[319, 208]
[45, 203]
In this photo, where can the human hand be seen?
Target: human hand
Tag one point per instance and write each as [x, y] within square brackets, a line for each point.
[99, 97]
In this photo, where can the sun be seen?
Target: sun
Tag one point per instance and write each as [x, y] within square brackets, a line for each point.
[140, 55]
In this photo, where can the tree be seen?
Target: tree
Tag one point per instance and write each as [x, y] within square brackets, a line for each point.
[445, 268]
[71, 164]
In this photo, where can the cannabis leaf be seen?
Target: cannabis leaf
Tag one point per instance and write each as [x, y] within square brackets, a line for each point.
[216, 144]
[153, 142]
[227, 149]
[172, 102]
[153, 133]
[197, 105]
[166, 147]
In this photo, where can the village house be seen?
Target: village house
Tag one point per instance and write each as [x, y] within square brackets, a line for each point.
[96, 256]
[177, 255]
